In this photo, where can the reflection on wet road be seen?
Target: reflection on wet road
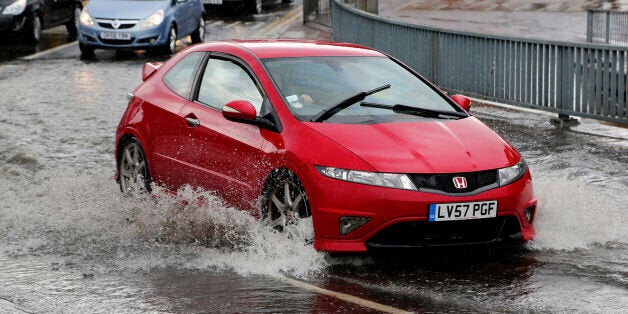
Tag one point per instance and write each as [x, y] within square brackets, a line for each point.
[69, 242]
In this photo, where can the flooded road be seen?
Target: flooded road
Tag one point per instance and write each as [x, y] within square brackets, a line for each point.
[70, 243]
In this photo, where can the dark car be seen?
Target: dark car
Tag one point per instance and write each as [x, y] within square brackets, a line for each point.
[246, 6]
[27, 18]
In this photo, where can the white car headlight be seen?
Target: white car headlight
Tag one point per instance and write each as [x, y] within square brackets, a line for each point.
[511, 174]
[391, 180]
[15, 8]
[154, 20]
[85, 18]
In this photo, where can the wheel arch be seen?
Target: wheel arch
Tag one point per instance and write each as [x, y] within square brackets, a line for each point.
[124, 139]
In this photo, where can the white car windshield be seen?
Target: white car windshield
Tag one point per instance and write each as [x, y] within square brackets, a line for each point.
[356, 89]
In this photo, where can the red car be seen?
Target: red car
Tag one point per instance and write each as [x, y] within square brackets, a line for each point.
[345, 138]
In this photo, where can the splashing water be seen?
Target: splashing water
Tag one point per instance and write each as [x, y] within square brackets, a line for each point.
[577, 214]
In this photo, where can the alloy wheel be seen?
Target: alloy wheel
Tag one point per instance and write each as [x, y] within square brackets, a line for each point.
[285, 202]
[133, 170]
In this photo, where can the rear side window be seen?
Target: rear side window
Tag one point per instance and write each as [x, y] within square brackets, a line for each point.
[181, 76]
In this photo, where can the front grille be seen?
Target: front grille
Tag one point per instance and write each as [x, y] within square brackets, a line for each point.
[116, 24]
[116, 41]
[476, 181]
[426, 234]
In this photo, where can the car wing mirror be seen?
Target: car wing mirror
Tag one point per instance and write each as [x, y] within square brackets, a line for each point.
[239, 110]
[462, 101]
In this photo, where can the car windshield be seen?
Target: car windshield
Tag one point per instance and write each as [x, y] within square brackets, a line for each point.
[355, 90]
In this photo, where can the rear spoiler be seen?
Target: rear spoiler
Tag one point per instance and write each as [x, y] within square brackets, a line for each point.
[150, 68]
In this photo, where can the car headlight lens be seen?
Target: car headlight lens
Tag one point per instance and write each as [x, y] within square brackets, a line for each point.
[85, 18]
[511, 174]
[154, 19]
[15, 8]
[391, 180]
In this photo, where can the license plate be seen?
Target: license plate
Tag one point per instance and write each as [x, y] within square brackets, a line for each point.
[212, 1]
[462, 211]
[115, 35]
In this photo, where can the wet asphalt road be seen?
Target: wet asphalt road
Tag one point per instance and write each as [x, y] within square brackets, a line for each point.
[69, 243]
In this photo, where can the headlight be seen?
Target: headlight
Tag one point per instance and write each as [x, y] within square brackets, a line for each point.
[154, 19]
[391, 180]
[15, 8]
[512, 174]
[85, 18]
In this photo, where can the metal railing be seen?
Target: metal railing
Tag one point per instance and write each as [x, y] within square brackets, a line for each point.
[588, 80]
[607, 27]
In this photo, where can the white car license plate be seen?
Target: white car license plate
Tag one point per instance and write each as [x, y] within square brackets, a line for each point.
[462, 211]
[115, 35]
[212, 1]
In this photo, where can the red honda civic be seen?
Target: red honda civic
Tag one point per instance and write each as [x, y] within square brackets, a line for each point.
[345, 138]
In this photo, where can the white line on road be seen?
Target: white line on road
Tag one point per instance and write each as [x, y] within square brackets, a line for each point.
[39, 54]
[345, 297]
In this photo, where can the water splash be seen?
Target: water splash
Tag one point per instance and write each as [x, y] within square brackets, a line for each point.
[577, 214]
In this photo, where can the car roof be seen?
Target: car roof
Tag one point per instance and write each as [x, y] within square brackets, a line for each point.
[282, 48]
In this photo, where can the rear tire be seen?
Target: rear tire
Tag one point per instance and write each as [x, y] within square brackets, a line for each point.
[134, 177]
[254, 7]
[198, 36]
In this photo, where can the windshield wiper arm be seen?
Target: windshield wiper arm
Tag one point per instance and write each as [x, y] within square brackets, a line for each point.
[332, 110]
[432, 113]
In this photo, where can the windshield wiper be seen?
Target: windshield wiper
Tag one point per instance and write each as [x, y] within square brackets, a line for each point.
[332, 110]
[424, 112]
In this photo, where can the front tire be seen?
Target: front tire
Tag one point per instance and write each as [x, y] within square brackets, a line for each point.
[86, 52]
[34, 30]
[133, 171]
[171, 47]
[284, 201]
[72, 25]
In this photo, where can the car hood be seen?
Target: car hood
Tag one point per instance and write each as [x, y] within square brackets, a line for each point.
[445, 146]
[129, 9]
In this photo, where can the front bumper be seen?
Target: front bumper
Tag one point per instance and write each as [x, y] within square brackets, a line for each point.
[398, 218]
[139, 38]
[14, 24]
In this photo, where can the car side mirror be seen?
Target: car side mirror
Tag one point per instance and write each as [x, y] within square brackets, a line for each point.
[240, 110]
[462, 101]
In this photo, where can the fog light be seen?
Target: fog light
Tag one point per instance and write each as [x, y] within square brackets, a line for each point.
[529, 212]
[348, 224]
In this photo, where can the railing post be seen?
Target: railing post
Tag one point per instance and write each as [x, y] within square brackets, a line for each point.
[589, 26]
[608, 26]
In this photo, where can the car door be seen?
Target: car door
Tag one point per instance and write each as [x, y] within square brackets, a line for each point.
[168, 128]
[228, 157]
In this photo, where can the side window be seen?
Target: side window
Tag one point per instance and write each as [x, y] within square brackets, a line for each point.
[181, 76]
[224, 81]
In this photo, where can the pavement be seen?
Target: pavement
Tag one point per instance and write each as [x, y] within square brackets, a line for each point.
[556, 20]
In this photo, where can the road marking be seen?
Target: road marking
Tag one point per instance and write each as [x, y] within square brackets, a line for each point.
[275, 25]
[216, 23]
[232, 25]
[345, 297]
[39, 54]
